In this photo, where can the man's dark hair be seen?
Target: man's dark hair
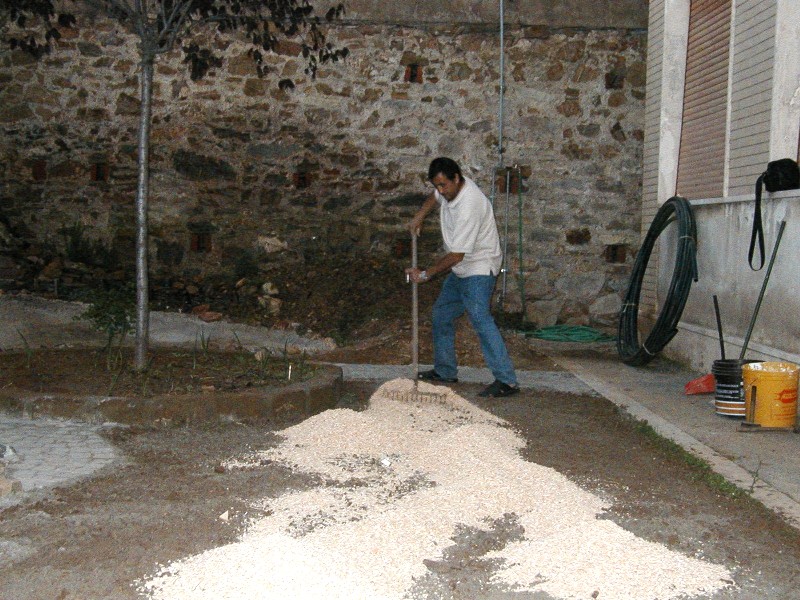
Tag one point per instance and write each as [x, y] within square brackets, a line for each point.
[446, 166]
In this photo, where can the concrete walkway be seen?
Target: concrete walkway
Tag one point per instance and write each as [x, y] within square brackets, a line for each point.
[765, 463]
[51, 452]
[37, 322]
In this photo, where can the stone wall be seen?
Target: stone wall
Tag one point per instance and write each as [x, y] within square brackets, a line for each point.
[245, 175]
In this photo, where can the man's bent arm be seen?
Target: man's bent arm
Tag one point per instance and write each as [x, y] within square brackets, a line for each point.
[416, 223]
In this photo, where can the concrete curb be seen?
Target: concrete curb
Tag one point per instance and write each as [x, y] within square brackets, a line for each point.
[773, 499]
[305, 399]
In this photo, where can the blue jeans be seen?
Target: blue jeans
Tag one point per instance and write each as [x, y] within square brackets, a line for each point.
[471, 295]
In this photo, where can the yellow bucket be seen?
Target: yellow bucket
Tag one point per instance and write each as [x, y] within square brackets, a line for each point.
[770, 393]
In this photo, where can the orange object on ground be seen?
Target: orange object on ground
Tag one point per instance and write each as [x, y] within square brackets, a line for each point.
[770, 391]
[702, 385]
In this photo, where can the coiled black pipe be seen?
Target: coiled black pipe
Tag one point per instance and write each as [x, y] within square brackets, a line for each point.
[666, 326]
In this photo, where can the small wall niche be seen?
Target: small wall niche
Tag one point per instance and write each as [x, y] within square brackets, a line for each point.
[616, 253]
[513, 177]
[100, 171]
[201, 242]
[302, 179]
[413, 73]
[39, 169]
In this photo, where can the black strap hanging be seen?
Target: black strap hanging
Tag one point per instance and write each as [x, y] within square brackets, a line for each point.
[758, 228]
[782, 174]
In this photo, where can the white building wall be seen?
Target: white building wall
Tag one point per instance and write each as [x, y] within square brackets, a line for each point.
[764, 125]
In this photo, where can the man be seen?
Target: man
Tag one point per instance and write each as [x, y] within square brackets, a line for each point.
[471, 265]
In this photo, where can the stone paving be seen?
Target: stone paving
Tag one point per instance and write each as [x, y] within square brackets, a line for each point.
[51, 452]
[556, 381]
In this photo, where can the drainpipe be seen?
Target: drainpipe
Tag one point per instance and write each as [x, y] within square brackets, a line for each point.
[504, 269]
[500, 146]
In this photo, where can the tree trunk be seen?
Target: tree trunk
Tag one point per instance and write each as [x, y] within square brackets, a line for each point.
[142, 193]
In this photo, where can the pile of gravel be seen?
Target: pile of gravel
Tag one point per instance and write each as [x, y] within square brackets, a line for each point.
[399, 479]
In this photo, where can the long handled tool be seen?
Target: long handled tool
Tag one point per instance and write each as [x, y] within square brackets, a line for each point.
[414, 313]
[719, 328]
[763, 289]
[414, 394]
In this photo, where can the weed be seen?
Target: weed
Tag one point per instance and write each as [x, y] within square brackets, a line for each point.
[111, 311]
[239, 345]
[302, 365]
[263, 359]
[28, 350]
[204, 341]
[79, 248]
[114, 380]
[755, 478]
[701, 469]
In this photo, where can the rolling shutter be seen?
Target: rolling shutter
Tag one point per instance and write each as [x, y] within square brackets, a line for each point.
[701, 163]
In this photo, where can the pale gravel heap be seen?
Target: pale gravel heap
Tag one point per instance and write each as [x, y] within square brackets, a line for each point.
[399, 479]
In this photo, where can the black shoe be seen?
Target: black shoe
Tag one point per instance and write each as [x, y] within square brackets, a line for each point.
[432, 375]
[499, 390]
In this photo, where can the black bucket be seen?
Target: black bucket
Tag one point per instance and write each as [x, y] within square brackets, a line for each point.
[728, 390]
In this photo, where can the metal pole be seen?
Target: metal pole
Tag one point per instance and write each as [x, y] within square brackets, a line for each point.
[500, 143]
[719, 328]
[519, 241]
[414, 312]
[763, 289]
[501, 110]
[504, 269]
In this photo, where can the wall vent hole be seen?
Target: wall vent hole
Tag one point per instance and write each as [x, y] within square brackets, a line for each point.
[100, 171]
[301, 179]
[200, 242]
[616, 253]
[39, 170]
[413, 73]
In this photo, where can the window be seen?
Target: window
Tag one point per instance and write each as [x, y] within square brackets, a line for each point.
[615, 253]
[701, 161]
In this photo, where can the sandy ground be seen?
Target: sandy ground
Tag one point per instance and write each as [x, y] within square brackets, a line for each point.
[97, 538]
[176, 496]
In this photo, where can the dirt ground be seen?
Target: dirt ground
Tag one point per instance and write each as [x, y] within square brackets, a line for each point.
[96, 538]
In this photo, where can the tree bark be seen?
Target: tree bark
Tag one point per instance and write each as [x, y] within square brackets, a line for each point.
[142, 193]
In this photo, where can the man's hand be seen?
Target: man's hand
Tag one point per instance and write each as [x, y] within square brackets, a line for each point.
[415, 225]
[416, 275]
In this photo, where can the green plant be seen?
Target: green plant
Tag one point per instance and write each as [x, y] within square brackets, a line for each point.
[701, 470]
[148, 371]
[28, 350]
[204, 341]
[80, 248]
[204, 344]
[239, 346]
[111, 311]
[302, 365]
[262, 356]
[114, 380]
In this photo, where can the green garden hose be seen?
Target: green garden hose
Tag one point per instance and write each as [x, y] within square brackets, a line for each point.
[629, 347]
[570, 333]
